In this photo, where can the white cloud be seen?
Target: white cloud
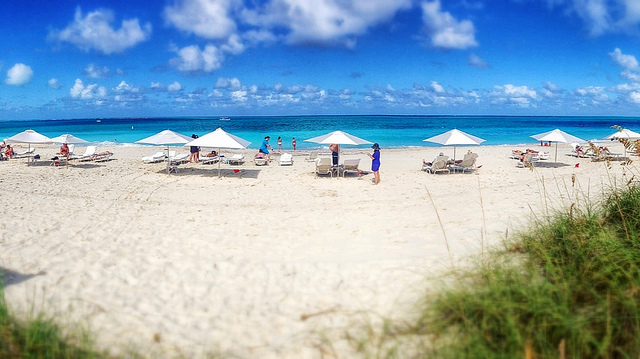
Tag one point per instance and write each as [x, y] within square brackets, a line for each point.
[628, 62]
[476, 61]
[19, 75]
[603, 16]
[94, 32]
[96, 72]
[233, 84]
[437, 87]
[327, 22]
[87, 92]
[54, 83]
[209, 19]
[444, 30]
[192, 59]
[174, 87]
[635, 97]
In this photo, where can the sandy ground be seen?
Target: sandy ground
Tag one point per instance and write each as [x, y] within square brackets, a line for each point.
[252, 264]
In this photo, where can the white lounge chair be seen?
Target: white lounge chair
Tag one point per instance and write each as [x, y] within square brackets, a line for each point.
[208, 160]
[439, 164]
[312, 156]
[261, 161]
[156, 157]
[236, 159]
[25, 153]
[527, 161]
[468, 163]
[102, 156]
[86, 156]
[324, 166]
[286, 159]
[178, 158]
[350, 165]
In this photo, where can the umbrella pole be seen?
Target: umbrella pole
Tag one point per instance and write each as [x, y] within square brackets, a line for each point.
[219, 160]
[168, 159]
[556, 160]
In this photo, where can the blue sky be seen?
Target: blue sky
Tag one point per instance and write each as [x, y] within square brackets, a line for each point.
[88, 59]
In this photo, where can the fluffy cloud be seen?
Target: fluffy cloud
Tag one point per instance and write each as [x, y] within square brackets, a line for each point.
[79, 91]
[327, 22]
[628, 62]
[193, 59]
[209, 19]
[94, 32]
[603, 16]
[476, 61]
[96, 72]
[444, 30]
[521, 96]
[54, 83]
[19, 75]
[174, 87]
[232, 84]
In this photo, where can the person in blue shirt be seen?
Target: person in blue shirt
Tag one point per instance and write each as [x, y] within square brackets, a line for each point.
[375, 163]
[266, 147]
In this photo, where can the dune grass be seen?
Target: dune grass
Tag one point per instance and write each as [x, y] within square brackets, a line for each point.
[39, 338]
[569, 286]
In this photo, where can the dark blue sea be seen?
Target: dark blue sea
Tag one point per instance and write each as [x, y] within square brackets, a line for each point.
[388, 131]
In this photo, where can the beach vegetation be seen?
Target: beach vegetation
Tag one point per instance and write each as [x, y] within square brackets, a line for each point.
[40, 337]
[567, 286]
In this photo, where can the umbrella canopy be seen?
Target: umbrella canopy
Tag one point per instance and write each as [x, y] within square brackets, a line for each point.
[455, 137]
[166, 137]
[219, 139]
[557, 136]
[67, 138]
[29, 136]
[339, 137]
[624, 133]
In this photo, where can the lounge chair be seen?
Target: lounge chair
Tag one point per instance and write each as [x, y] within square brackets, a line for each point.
[527, 161]
[350, 165]
[156, 157]
[102, 156]
[236, 159]
[178, 158]
[286, 159]
[86, 156]
[312, 156]
[324, 166]
[439, 164]
[26, 153]
[208, 160]
[261, 161]
[468, 163]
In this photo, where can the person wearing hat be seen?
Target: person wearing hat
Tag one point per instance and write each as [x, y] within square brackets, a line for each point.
[375, 163]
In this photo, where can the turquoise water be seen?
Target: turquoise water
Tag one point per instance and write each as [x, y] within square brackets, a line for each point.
[388, 131]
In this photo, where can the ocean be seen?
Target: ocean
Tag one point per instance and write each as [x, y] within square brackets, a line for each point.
[388, 131]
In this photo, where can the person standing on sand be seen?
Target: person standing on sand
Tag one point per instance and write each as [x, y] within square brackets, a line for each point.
[294, 143]
[279, 143]
[266, 147]
[335, 152]
[195, 151]
[375, 163]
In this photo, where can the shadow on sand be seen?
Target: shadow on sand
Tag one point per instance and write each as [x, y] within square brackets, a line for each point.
[9, 277]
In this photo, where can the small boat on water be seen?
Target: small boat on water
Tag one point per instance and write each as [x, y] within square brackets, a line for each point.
[98, 121]
[225, 118]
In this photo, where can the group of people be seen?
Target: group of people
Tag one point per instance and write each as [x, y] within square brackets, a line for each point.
[6, 151]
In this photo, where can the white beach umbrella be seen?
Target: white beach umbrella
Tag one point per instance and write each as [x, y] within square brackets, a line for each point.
[68, 138]
[166, 137]
[29, 137]
[557, 136]
[219, 139]
[455, 137]
[340, 138]
[626, 134]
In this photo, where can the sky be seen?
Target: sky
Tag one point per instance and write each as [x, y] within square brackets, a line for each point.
[138, 58]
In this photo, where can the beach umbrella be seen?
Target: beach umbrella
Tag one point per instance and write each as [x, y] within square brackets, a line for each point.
[557, 136]
[340, 138]
[68, 138]
[219, 139]
[29, 137]
[626, 134]
[454, 138]
[166, 137]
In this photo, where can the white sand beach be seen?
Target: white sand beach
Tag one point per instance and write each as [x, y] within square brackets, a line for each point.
[255, 262]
